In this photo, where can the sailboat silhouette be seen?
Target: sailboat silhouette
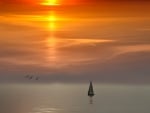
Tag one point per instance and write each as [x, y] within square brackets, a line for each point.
[91, 91]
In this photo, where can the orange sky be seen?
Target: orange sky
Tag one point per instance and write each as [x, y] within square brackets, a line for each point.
[105, 42]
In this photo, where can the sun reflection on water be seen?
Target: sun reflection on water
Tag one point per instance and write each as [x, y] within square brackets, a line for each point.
[68, 45]
[51, 40]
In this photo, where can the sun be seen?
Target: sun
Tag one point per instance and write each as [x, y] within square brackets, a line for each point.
[50, 2]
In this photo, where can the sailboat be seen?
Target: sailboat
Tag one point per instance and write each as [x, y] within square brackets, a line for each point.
[91, 91]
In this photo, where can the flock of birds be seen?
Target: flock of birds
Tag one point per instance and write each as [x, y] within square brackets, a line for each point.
[31, 77]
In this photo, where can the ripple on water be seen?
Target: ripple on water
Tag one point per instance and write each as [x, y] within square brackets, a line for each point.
[45, 110]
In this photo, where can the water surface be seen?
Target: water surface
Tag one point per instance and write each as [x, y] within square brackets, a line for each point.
[69, 98]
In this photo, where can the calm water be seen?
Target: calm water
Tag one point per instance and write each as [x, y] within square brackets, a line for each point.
[68, 98]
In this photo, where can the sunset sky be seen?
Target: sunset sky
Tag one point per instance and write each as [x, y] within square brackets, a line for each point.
[107, 41]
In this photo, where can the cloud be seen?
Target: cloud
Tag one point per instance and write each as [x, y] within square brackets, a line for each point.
[103, 51]
[115, 64]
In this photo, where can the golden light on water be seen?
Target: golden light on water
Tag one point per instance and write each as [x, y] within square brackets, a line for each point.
[52, 22]
[52, 54]
[52, 18]
[55, 57]
[51, 40]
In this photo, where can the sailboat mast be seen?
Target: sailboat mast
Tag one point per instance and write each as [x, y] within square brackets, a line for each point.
[91, 91]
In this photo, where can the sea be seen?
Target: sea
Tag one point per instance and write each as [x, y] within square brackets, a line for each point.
[72, 98]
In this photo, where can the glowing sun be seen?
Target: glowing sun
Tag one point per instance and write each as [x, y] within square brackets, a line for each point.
[50, 2]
